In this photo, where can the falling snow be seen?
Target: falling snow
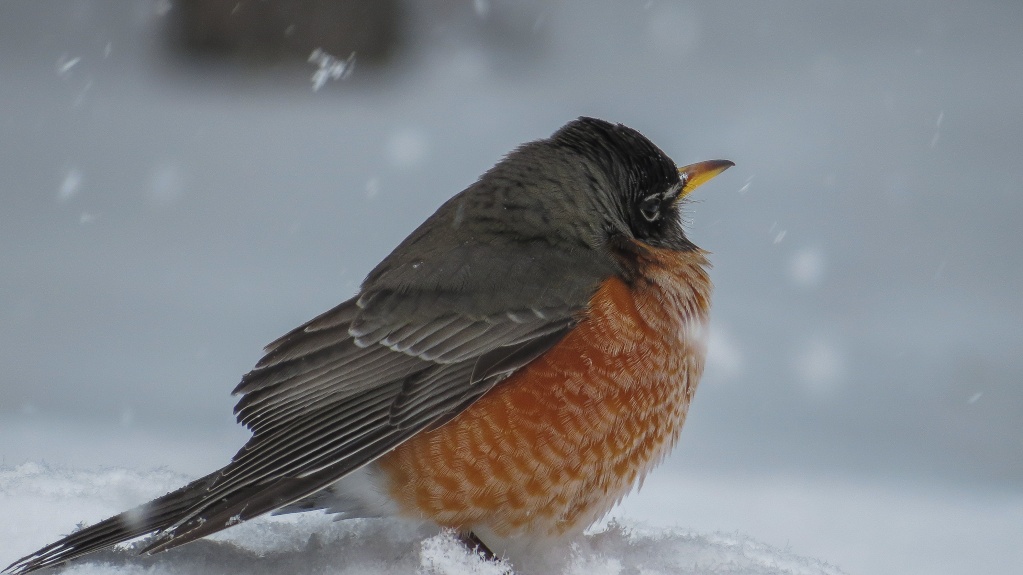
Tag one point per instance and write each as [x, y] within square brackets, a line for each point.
[372, 187]
[724, 358]
[64, 65]
[330, 68]
[166, 184]
[806, 267]
[892, 277]
[820, 366]
[70, 185]
[481, 7]
[937, 129]
[163, 7]
[407, 148]
[746, 185]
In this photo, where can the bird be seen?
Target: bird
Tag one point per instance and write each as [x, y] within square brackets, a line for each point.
[511, 371]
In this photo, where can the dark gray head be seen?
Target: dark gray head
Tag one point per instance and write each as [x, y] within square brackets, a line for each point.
[592, 180]
[641, 183]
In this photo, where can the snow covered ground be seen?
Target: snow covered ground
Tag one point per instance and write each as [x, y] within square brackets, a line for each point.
[39, 502]
[672, 526]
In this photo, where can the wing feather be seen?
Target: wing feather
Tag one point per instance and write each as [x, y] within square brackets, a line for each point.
[323, 402]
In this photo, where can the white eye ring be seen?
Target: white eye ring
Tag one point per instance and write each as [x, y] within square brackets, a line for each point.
[673, 191]
[650, 207]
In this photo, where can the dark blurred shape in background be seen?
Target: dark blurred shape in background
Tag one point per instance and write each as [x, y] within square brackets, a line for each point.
[264, 35]
[256, 31]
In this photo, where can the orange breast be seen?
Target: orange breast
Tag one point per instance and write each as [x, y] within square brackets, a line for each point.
[553, 447]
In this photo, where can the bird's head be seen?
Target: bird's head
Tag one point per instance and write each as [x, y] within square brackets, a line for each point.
[634, 187]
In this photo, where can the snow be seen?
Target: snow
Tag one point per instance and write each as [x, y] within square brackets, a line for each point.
[42, 502]
[330, 67]
[820, 365]
[481, 7]
[407, 148]
[166, 184]
[70, 186]
[65, 65]
[723, 353]
[806, 267]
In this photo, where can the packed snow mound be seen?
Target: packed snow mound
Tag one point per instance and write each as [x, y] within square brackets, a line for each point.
[40, 503]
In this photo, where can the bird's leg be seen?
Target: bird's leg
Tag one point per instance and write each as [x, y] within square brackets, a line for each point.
[474, 543]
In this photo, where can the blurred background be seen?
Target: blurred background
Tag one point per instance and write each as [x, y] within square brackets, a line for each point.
[183, 181]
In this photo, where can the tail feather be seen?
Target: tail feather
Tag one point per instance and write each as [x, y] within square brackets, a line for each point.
[255, 500]
[147, 518]
[197, 510]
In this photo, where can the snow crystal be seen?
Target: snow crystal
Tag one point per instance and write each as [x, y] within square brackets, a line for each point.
[166, 184]
[937, 129]
[64, 65]
[444, 554]
[407, 148]
[482, 8]
[163, 7]
[778, 236]
[372, 187]
[330, 67]
[70, 185]
[746, 185]
[724, 358]
[820, 366]
[806, 267]
[80, 97]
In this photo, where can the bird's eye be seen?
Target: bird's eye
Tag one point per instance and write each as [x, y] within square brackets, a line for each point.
[650, 207]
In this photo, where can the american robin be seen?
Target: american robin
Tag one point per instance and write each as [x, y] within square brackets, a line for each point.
[511, 370]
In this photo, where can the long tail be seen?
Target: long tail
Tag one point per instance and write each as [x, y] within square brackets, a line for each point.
[150, 517]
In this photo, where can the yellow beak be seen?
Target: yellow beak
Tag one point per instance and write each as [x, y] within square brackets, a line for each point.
[695, 175]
